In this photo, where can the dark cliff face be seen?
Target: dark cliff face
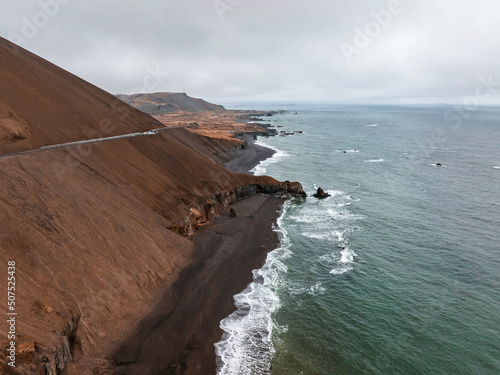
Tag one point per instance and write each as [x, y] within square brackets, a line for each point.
[216, 204]
[285, 190]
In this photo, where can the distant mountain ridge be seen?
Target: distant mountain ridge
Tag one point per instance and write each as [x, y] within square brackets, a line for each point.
[168, 102]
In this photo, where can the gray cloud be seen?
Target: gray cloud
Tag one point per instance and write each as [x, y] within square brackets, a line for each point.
[426, 51]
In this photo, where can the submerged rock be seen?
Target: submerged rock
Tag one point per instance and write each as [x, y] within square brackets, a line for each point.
[321, 194]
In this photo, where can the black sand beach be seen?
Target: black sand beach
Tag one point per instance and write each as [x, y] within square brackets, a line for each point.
[248, 158]
[179, 337]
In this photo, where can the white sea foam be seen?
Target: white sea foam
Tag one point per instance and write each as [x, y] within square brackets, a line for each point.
[372, 126]
[375, 161]
[318, 236]
[328, 259]
[495, 167]
[347, 151]
[341, 270]
[436, 165]
[261, 169]
[329, 235]
[347, 255]
[314, 290]
[335, 214]
[339, 235]
[246, 346]
[342, 261]
[336, 223]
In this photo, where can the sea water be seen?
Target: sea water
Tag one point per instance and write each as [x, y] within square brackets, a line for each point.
[398, 271]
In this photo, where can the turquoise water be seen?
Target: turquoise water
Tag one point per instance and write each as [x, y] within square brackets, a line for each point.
[399, 271]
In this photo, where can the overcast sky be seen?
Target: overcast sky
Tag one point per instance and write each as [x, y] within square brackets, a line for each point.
[338, 51]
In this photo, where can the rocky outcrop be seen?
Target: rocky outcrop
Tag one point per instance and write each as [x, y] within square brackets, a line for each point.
[285, 190]
[13, 128]
[321, 194]
[217, 204]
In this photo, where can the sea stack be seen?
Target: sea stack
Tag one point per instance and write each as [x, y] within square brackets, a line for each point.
[321, 194]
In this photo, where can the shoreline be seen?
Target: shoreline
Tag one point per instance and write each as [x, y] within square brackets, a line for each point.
[248, 158]
[179, 336]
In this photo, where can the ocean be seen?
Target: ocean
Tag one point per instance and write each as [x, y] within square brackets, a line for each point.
[398, 272]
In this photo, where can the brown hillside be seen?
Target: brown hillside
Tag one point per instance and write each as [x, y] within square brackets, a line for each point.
[168, 102]
[42, 104]
[97, 231]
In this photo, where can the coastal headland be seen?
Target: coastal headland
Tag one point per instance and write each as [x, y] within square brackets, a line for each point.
[126, 257]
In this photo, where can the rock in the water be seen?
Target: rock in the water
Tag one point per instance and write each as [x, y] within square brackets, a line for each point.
[321, 194]
[285, 190]
[232, 212]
